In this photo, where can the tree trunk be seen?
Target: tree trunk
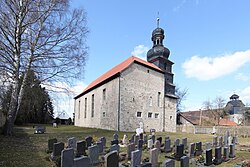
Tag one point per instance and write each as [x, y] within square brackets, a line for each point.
[9, 124]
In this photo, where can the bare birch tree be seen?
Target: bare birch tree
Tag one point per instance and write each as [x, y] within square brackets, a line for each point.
[43, 35]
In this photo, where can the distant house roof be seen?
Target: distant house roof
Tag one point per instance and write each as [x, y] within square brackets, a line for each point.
[63, 115]
[227, 122]
[189, 118]
[114, 72]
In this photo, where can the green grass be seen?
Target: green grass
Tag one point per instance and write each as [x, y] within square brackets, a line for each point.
[28, 149]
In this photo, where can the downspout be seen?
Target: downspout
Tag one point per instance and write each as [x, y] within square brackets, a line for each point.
[119, 105]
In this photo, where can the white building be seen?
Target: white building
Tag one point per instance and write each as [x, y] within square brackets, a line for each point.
[132, 92]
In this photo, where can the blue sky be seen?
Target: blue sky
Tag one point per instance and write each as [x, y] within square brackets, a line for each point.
[209, 41]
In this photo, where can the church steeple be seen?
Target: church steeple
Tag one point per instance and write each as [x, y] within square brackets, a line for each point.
[159, 55]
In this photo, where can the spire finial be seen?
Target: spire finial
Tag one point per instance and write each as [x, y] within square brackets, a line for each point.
[158, 20]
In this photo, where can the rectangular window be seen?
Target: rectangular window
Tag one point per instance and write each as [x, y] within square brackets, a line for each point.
[92, 105]
[79, 109]
[104, 94]
[159, 99]
[150, 115]
[156, 115]
[150, 101]
[139, 114]
[85, 108]
[103, 114]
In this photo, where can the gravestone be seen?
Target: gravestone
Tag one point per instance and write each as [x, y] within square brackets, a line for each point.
[176, 143]
[72, 143]
[67, 157]
[229, 140]
[82, 161]
[191, 150]
[225, 140]
[232, 151]
[111, 159]
[198, 148]
[217, 159]
[236, 140]
[158, 145]
[136, 158]
[103, 140]
[100, 147]
[114, 142]
[184, 142]
[132, 140]
[159, 139]
[209, 157]
[81, 148]
[168, 163]
[185, 161]
[225, 154]
[208, 145]
[179, 151]
[89, 141]
[51, 144]
[130, 148]
[125, 140]
[167, 146]
[145, 138]
[215, 141]
[153, 158]
[115, 136]
[93, 154]
[136, 139]
[220, 141]
[150, 144]
[57, 149]
[153, 138]
[40, 129]
[141, 136]
[115, 147]
[140, 144]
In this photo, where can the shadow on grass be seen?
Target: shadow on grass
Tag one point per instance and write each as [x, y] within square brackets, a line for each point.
[24, 148]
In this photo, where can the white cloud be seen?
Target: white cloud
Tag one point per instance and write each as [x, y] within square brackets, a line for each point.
[245, 94]
[207, 68]
[140, 51]
[242, 77]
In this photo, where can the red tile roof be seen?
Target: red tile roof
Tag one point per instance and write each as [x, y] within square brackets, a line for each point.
[227, 122]
[117, 70]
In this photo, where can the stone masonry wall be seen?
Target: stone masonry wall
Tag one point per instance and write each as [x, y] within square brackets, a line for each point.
[105, 108]
[140, 88]
[170, 114]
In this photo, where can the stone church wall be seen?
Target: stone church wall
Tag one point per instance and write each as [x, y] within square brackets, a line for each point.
[170, 114]
[140, 89]
[105, 107]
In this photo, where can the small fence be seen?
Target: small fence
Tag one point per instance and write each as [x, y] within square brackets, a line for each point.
[243, 131]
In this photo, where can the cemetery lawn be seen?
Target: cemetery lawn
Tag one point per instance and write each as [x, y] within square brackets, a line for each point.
[28, 149]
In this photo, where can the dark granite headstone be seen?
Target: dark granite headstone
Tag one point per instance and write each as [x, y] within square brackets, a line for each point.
[217, 159]
[51, 144]
[111, 159]
[167, 146]
[159, 139]
[191, 150]
[209, 157]
[198, 148]
[130, 148]
[136, 158]
[93, 154]
[57, 149]
[81, 148]
[67, 157]
[184, 161]
[179, 151]
[103, 140]
[225, 154]
[114, 142]
[89, 141]
[232, 151]
[40, 129]
[115, 136]
[140, 144]
[168, 163]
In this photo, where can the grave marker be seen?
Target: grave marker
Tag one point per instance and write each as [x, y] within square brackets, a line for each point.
[111, 159]
[67, 157]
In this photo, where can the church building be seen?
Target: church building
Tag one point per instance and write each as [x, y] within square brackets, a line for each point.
[134, 91]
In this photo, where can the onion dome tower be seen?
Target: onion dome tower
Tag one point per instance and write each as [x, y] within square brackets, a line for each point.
[159, 55]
